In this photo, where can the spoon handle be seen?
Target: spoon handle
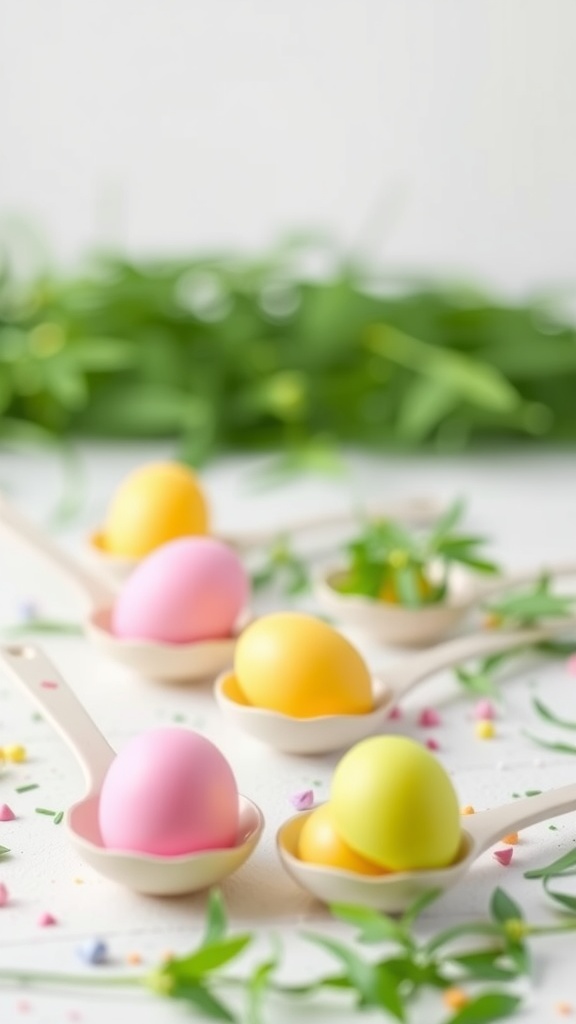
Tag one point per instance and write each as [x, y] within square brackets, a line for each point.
[418, 511]
[416, 667]
[488, 588]
[487, 827]
[13, 522]
[35, 673]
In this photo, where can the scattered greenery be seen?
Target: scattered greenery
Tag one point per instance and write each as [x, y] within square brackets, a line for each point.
[257, 352]
[282, 567]
[562, 867]
[526, 608]
[388, 562]
[499, 956]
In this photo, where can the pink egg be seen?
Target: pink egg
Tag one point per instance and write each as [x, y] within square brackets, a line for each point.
[169, 792]
[193, 588]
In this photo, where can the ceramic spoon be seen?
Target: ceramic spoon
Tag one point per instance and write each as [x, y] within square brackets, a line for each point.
[417, 511]
[169, 662]
[160, 876]
[399, 626]
[394, 892]
[333, 732]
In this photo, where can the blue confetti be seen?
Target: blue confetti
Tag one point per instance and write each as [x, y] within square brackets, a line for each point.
[93, 951]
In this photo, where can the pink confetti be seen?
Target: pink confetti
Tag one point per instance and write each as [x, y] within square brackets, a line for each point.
[49, 684]
[304, 800]
[4, 895]
[432, 744]
[485, 710]
[6, 813]
[571, 665]
[46, 919]
[395, 714]
[23, 1006]
[429, 718]
[504, 856]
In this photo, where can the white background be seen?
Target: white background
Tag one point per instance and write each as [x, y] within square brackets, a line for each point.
[439, 135]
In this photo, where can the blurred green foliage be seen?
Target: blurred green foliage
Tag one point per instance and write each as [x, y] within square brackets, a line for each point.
[246, 353]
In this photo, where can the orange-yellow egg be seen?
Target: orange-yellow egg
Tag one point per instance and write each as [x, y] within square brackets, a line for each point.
[155, 504]
[319, 843]
[299, 666]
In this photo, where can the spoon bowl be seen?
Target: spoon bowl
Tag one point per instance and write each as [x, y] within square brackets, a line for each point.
[318, 735]
[396, 625]
[333, 732]
[395, 891]
[144, 873]
[187, 662]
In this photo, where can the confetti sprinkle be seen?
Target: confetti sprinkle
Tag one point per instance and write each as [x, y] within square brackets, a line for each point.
[455, 999]
[303, 800]
[15, 752]
[58, 817]
[485, 710]
[133, 958]
[511, 839]
[395, 714]
[468, 809]
[564, 1009]
[571, 665]
[46, 920]
[28, 610]
[428, 718]
[6, 813]
[432, 744]
[4, 896]
[484, 729]
[553, 828]
[503, 856]
[93, 951]
[26, 789]
[44, 810]
[49, 684]
[533, 792]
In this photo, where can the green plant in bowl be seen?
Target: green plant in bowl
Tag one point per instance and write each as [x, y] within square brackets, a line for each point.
[390, 563]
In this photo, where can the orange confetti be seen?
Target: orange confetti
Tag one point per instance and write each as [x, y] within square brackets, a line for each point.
[468, 809]
[564, 1009]
[455, 999]
[133, 958]
[511, 839]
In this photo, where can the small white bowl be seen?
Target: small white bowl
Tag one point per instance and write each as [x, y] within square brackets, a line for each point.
[393, 624]
[301, 735]
[391, 892]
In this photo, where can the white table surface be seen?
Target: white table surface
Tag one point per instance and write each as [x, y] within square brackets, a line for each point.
[525, 501]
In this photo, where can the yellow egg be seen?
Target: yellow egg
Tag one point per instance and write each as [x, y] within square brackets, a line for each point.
[319, 843]
[393, 803]
[153, 505]
[298, 665]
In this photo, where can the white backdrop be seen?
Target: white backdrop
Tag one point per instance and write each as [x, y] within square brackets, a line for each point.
[439, 132]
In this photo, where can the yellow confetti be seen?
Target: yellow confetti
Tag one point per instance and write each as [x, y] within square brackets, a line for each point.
[485, 729]
[511, 838]
[15, 752]
[455, 999]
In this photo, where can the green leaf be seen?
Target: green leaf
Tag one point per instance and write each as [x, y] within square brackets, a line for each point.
[479, 682]
[203, 1000]
[565, 900]
[561, 866]
[486, 1008]
[373, 927]
[450, 518]
[216, 924]
[375, 985]
[3, 850]
[560, 748]
[503, 908]
[459, 931]
[208, 958]
[257, 985]
[483, 966]
[550, 716]
[418, 906]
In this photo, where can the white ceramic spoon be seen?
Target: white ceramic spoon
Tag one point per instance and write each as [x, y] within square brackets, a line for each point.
[333, 732]
[417, 511]
[394, 892]
[159, 876]
[396, 625]
[169, 662]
